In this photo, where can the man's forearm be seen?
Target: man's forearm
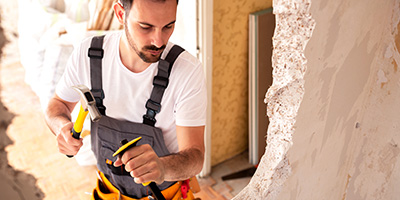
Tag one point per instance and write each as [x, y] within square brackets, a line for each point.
[183, 165]
[57, 114]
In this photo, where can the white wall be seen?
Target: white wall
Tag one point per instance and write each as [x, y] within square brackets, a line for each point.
[185, 33]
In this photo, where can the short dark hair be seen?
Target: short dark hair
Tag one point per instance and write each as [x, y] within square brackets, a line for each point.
[127, 4]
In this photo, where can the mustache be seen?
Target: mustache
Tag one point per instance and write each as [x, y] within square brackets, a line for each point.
[154, 48]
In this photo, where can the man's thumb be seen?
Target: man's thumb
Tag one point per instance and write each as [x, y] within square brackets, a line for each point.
[118, 162]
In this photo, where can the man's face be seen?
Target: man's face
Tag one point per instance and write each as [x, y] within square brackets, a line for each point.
[149, 26]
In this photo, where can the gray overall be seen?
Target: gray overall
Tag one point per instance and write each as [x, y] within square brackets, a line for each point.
[108, 132]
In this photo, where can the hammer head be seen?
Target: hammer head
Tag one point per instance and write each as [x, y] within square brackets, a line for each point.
[87, 101]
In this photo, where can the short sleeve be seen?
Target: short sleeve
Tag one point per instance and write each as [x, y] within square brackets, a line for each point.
[191, 107]
[69, 78]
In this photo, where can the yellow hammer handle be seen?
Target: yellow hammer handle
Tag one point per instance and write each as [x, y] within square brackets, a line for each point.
[79, 123]
[80, 119]
[77, 129]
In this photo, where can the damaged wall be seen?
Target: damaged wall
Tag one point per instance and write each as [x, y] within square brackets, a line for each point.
[345, 142]
[294, 27]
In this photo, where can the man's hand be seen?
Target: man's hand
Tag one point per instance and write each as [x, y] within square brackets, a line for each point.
[143, 164]
[66, 143]
[58, 118]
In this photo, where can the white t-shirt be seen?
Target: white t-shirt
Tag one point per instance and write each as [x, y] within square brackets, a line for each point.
[126, 92]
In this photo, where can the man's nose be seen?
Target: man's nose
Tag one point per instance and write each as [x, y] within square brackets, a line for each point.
[157, 39]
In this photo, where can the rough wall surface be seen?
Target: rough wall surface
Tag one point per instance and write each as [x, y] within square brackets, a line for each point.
[347, 132]
[294, 27]
[345, 142]
[230, 81]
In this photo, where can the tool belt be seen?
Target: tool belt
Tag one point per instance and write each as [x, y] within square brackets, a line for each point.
[180, 190]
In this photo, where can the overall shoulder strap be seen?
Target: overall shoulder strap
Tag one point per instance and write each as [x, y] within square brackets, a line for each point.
[96, 53]
[160, 83]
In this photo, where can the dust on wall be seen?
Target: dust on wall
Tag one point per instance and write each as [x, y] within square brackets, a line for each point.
[230, 76]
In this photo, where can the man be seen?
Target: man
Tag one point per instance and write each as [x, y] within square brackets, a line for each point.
[129, 66]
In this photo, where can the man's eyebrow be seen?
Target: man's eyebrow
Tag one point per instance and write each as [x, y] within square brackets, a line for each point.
[151, 25]
[173, 22]
[144, 23]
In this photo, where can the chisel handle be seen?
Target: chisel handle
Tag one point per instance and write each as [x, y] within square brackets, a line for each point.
[156, 191]
[77, 129]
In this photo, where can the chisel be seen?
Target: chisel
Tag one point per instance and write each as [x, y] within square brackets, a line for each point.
[153, 186]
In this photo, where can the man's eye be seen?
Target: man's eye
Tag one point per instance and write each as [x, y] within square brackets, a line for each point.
[169, 26]
[144, 26]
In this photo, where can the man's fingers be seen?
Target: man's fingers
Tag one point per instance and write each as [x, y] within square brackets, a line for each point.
[136, 162]
[67, 134]
[133, 152]
[143, 178]
[139, 171]
[148, 176]
[118, 162]
[68, 150]
[66, 131]
[70, 142]
[70, 147]
[74, 142]
[143, 164]
[150, 170]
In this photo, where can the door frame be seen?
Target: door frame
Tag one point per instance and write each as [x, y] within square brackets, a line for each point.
[205, 50]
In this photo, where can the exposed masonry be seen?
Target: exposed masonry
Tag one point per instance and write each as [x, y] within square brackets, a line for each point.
[294, 27]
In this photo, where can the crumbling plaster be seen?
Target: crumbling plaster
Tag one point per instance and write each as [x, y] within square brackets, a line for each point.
[333, 105]
[294, 27]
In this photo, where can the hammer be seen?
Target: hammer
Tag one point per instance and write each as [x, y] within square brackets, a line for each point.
[88, 105]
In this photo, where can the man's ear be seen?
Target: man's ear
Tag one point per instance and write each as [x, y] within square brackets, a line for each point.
[119, 12]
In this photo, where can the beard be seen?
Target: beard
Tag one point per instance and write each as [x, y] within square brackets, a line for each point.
[149, 58]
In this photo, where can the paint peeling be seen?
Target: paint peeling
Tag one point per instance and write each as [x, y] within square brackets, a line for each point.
[392, 50]
[294, 27]
[382, 80]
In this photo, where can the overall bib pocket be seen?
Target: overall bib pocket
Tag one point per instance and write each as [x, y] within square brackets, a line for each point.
[109, 133]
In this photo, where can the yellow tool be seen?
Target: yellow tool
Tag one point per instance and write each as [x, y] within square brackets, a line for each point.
[88, 105]
[127, 145]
